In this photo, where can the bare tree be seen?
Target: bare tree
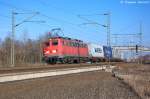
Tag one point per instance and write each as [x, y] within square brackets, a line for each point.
[27, 51]
[5, 51]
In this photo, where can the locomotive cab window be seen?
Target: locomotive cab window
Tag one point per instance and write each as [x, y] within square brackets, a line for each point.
[55, 42]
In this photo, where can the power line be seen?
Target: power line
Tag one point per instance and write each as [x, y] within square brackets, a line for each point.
[5, 16]
[108, 14]
[71, 25]
[58, 20]
[13, 7]
[49, 6]
[44, 15]
[127, 28]
[88, 20]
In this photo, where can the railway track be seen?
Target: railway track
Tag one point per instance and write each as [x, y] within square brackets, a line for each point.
[7, 77]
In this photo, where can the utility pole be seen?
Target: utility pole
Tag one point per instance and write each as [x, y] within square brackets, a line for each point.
[141, 47]
[106, 25]
[138, 46]
[12, 60]
[14, 25]
[108, 32]
[108, 29]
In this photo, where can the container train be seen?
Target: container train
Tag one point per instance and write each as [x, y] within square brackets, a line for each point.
[68, 50]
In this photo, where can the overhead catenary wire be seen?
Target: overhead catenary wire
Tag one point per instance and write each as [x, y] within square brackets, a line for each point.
[41, 14]
[31, 11]
[12, 7]
[126, 28]
[83, 18]
[44, 3]
[5, 16]
[70, 24]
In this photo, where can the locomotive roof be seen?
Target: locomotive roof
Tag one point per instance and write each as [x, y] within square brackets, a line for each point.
[66, 38]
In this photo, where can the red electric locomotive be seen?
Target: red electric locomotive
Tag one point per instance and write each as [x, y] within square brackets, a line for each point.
[65, 50]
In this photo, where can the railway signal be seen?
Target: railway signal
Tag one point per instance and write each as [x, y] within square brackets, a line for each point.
[136, 48]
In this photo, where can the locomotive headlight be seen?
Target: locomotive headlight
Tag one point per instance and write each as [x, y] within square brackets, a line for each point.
[53, 51]
[47, 52]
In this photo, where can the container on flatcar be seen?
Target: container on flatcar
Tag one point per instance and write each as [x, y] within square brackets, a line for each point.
[116, 53]
[107, 52]
[95, 50]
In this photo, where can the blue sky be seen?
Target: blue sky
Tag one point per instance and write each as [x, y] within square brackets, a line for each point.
[125, 18]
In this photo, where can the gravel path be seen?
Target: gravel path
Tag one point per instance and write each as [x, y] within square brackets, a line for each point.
[91, 85]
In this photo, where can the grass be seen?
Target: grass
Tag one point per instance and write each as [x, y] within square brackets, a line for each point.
[138, 77]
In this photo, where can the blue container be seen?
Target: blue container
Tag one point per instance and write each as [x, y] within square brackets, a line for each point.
[107, 52]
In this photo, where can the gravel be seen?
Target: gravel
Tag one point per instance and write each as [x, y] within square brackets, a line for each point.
[90, 85]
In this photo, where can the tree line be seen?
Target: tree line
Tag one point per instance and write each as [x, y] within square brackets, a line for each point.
[27, 51]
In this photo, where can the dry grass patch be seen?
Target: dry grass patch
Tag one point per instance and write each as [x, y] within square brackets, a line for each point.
[138, 77]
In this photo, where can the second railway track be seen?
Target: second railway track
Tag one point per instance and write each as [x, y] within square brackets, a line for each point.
[44, 67]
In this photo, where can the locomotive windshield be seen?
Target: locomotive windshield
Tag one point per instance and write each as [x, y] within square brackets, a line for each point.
[54, 42]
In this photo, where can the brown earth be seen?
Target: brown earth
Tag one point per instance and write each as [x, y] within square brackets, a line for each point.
[90, 85]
